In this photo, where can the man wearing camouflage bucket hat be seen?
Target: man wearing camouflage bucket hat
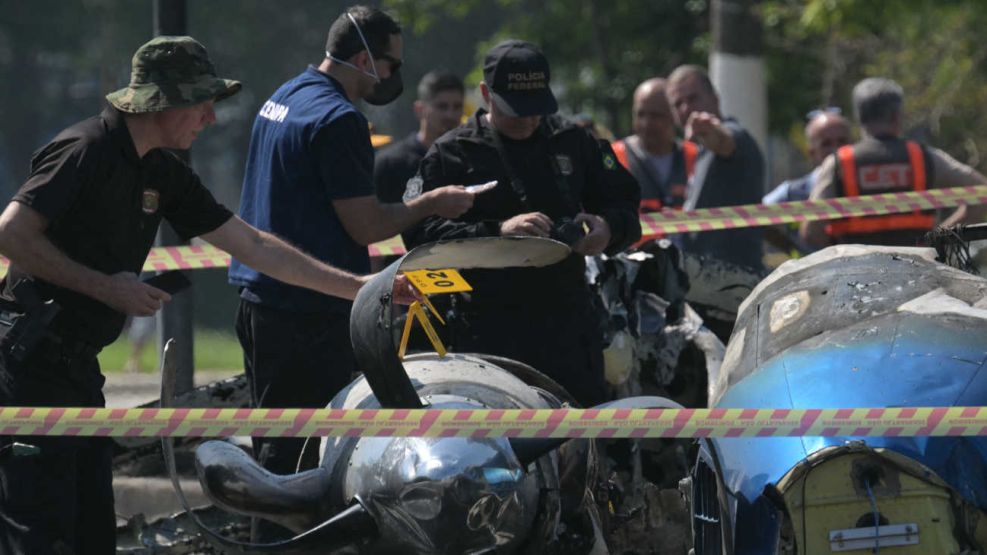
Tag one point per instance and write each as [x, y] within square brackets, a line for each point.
[171, 72]
[77, 233]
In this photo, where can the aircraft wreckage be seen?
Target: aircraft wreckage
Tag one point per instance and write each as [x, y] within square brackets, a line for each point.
[425, 495]
[850, 326]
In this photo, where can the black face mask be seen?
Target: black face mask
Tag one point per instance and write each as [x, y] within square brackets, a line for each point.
[386, 90]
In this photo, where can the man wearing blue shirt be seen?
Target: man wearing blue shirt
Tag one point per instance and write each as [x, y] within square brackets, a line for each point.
[729, 167]
[826, 131]
[309, 179]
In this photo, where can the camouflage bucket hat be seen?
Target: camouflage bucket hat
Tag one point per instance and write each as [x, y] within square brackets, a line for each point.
[171, 72]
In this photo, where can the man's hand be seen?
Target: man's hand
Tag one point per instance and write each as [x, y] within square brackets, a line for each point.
[596, 239]
[403, 292]
[532, 224]
[125, 293]
[449, 202]
[706, 129]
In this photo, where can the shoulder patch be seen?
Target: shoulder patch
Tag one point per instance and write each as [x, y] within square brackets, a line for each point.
[564, 164]
[413, 189]
[149, 201]
[608, 161]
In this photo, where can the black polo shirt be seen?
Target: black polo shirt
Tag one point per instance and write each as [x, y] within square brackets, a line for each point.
[395, 165]
[104, 204]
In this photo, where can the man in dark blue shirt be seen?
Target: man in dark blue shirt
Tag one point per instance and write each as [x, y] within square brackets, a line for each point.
[309, 179]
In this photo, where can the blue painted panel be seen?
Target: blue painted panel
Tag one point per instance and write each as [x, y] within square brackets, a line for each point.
[898, 360]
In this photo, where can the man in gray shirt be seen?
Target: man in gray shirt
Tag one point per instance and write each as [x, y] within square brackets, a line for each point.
[884, 162]
[729, 169]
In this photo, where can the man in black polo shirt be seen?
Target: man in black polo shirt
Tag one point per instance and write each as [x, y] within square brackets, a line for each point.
[439, 108]
[77, 233]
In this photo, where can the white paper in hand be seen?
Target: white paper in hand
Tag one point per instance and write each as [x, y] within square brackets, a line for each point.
[482, 188]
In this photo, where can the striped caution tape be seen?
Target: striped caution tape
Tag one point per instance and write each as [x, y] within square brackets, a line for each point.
[754, 215]
[194, 257]
[655, 223]
[573, 423]
[392, 246]
[186, 258]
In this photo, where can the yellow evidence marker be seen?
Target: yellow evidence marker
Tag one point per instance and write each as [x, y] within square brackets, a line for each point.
[429, 282]
[438, 281]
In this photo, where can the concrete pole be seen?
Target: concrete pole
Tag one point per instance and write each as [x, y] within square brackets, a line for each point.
[736, 66]
[175, 319]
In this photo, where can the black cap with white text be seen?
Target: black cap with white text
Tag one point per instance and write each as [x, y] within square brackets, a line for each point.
[517, 74]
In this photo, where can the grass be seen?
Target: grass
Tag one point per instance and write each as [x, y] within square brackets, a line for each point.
[213, 350]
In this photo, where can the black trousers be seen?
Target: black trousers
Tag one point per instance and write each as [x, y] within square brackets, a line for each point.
[562, 341]
[293, 360]
[56, 497]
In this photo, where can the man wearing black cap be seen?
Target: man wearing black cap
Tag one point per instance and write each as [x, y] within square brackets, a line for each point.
[554, 180]
[77, 234]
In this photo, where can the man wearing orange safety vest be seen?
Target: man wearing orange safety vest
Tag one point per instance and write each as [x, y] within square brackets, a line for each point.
[883, 162]
[661, 165]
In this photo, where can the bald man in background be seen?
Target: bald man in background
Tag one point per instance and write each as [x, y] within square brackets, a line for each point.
[661, 165]
[825, 132]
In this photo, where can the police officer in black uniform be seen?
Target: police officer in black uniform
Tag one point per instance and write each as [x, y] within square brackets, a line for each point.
[77, 234]
[554, 180]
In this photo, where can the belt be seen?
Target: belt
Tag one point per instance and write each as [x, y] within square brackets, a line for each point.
[54, 346]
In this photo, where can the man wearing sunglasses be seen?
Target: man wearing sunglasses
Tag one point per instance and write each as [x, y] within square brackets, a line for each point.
[309, 179]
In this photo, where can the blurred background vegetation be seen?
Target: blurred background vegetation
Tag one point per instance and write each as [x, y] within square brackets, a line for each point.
[59, 57]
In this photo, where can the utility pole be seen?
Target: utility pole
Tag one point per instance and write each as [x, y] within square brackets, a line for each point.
[736, 65]
[175, 319]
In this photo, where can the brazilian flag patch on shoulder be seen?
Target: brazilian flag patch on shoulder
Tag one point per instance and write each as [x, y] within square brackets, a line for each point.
[608, 161]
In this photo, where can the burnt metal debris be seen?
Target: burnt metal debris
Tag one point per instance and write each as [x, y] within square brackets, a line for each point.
[457, 495]
[850, 326]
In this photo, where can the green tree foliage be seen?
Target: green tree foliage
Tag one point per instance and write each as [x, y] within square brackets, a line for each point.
[51, 68]
[819, 49]
[599, 51]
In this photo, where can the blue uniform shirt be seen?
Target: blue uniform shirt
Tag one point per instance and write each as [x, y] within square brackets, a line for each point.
[309, 146]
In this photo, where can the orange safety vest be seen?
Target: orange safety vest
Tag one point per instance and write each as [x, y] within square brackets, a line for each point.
[874, 224]
[690, 151]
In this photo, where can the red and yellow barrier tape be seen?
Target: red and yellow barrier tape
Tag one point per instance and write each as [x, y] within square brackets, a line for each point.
[754, 215]
[573, 423]
[666, 222]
